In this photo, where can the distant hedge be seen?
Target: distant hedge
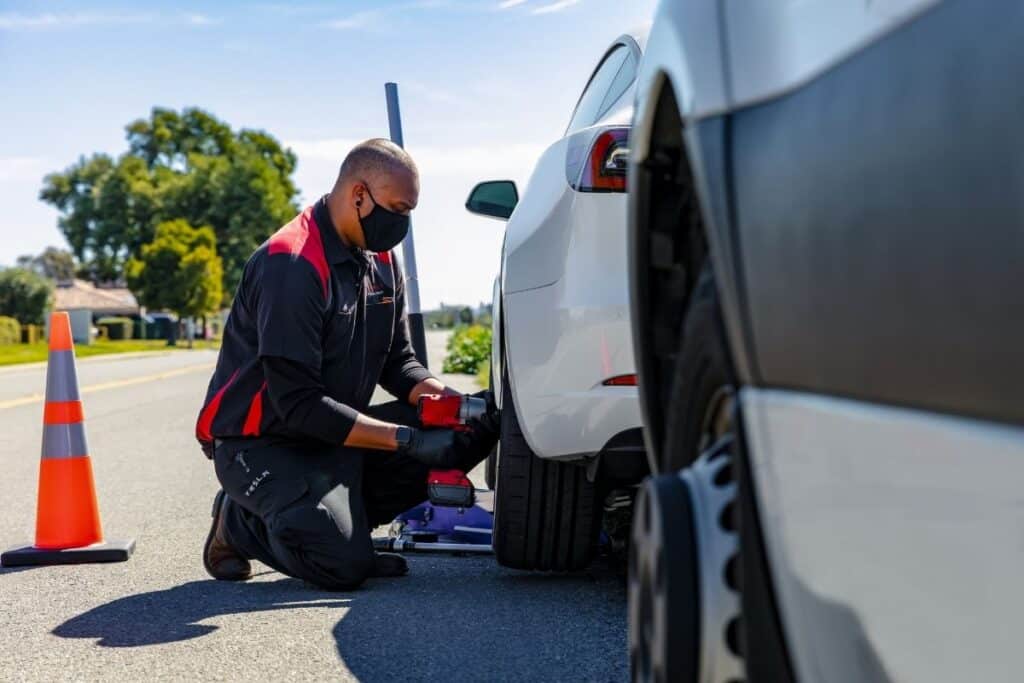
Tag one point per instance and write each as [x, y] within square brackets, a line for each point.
[10, 331]
[117, 328]
[468, 347]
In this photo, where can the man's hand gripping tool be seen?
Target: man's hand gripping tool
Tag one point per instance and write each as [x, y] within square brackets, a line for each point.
[450, 488]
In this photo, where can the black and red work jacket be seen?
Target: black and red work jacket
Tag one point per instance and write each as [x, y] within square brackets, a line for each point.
[313, 328]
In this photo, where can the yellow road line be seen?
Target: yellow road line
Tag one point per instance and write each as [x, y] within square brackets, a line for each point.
[116, 384]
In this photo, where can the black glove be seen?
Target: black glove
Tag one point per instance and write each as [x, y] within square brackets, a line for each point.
[432, 447]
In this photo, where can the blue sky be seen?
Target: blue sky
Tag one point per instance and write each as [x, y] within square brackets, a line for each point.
[485, 86]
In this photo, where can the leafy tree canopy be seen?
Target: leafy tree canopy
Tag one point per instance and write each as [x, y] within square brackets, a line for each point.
[53, 263]
[185, 165]
[24, 295]
[179, 270]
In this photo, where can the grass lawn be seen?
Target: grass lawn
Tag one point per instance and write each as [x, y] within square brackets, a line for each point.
[32, 353]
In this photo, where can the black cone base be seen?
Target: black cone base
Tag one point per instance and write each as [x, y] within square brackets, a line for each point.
[106, 551]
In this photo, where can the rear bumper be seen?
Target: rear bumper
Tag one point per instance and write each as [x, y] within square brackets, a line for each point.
[577, 425]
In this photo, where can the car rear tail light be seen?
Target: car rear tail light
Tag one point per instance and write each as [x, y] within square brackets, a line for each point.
[605, 168]
[620, 381]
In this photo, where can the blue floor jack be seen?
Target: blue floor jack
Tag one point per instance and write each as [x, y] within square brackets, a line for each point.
[456, 518]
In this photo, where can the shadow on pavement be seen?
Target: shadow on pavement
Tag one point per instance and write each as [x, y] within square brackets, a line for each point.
[466, 619]
[173, 615]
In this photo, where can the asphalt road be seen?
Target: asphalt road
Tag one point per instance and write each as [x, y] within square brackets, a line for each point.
[160, 617]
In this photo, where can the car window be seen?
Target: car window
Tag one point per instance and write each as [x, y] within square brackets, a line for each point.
[593, 97]
[624, 79]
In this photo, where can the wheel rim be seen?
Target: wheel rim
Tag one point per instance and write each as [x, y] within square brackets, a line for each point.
[684, 605]
[714, 489]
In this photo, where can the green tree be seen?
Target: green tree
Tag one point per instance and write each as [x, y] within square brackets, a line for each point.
[178, 271]
[179, 165]
[25, 295]
[53, 263]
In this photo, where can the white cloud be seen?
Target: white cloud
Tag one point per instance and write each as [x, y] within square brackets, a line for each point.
[357, 20]
[22, 168]
[433, 94]
[506, 4]
[18, 21]
[368, 18]
[15, 21]
[434, 160]
[200, 20]
[555, 7]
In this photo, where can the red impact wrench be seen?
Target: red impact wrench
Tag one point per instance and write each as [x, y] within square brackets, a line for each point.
[450, 488]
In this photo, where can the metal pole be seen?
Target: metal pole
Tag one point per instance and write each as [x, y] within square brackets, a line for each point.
[412, 282]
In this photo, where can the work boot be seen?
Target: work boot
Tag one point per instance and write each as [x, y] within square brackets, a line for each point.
[223, 562]
[389, 564]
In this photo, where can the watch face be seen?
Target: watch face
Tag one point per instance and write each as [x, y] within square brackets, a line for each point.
[403, 435]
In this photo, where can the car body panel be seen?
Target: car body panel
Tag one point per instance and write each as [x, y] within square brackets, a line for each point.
[564, 300]
[563, 340]
[893, 537]
[896, 265]
[776, 46]
[685, 45]
[537, 236]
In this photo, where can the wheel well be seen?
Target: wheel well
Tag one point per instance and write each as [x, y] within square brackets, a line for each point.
[670, 245]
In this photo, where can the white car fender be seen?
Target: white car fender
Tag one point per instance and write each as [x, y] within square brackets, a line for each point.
[497, 348]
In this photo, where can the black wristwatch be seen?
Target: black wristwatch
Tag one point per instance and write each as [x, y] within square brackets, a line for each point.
[403, 437]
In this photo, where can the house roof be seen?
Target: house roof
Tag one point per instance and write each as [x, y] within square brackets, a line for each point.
[82, 295]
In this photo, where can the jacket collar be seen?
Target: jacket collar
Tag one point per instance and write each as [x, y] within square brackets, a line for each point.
[334, 249]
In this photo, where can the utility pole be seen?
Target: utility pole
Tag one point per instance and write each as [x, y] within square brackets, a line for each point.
[412, 282]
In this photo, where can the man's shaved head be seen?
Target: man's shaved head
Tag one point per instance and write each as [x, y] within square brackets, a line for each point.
[375, 173]
[375, 160]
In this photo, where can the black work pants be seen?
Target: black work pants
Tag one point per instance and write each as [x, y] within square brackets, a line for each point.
[308, 513]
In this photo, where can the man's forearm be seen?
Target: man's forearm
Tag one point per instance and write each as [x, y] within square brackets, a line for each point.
[368, 432]
[430, 385]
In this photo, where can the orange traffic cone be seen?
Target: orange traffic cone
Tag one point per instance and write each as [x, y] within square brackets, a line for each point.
[67, 516]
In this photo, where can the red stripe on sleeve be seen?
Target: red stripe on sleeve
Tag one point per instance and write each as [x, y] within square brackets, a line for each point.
[255, 417]
[206, 417]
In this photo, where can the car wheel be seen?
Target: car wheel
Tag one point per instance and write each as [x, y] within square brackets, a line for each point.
[702, 391]
[683, 600]
[546, 514]
[696, 531]
[491, 469]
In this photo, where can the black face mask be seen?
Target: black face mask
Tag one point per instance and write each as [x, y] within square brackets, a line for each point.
[383, 230]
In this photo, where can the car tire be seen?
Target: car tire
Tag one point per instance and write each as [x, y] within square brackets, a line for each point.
[702, 376]
[491, 469]
[546, 514]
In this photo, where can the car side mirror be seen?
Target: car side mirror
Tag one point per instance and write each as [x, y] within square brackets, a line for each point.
[494, 199]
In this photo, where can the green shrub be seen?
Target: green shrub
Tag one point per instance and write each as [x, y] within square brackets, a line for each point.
[467, 348]
[483, 374]
[10, 331]
[117, 328]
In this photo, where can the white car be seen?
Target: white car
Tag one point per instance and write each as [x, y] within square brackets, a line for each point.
[827, 258]
[562, 359]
